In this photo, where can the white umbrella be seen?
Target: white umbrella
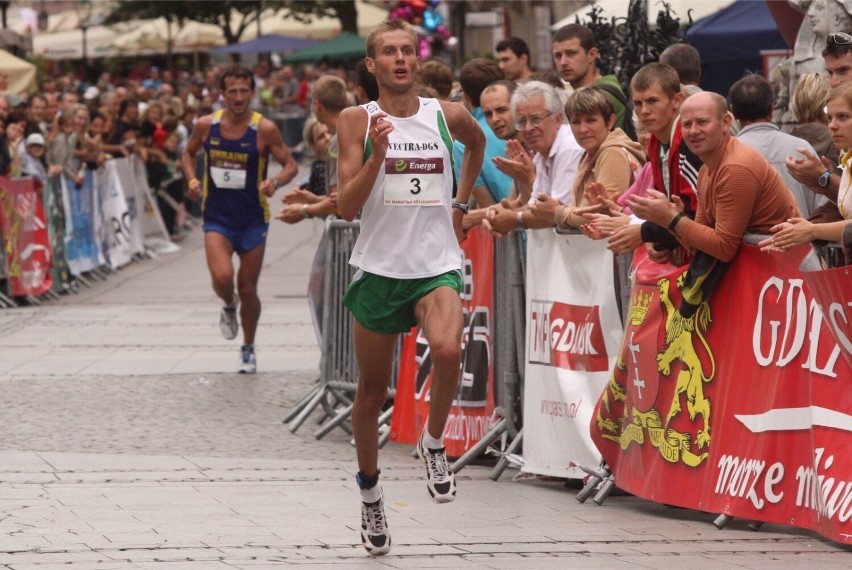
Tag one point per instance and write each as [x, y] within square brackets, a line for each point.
[369, 16]
[69, 44]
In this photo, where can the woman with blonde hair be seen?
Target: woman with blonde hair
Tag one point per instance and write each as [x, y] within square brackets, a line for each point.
[808, 106]
[798, 231]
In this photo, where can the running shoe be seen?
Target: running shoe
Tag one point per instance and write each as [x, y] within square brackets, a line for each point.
[228, 323]
[248, 361]
[375, 534]
[440, 480]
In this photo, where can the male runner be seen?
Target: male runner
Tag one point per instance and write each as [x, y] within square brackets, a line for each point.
[237, 143]
[395, 163]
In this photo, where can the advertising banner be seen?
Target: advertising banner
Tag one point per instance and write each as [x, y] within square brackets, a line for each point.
[116, 233]
[573, 335]
[743, 407]
[474, 402]
[82, 246]
[124, 178]
[55, 215]
[27, 245]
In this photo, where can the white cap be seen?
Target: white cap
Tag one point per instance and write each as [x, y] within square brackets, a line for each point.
[91, 93]
[35, 138]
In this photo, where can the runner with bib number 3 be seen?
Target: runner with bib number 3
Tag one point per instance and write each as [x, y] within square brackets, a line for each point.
[395, 168]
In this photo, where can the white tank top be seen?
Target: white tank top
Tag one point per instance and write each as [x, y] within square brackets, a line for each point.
[406, 223]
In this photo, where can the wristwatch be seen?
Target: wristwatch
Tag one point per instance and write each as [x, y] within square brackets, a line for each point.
[463, 206]
[824, 179]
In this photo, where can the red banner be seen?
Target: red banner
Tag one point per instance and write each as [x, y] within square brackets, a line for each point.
[25, 237]
[469, 416]
[742, 408]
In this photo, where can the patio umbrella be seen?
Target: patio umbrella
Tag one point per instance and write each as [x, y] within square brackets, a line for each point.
[270, 43]
[343, 47]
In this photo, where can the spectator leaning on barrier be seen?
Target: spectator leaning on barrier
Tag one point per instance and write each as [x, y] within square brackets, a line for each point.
[513, 56]
[539, 114]
[608, 166]
[576, 57]
[330, 98]
[797, 231]
[740, 193]
[491, 185]
[750, 100]
[407, 253]
[657, 98]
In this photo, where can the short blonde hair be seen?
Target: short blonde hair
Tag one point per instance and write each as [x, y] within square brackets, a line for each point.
[809, 98]
[389, 26]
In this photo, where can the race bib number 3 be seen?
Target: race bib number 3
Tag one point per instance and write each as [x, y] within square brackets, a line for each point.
[413, 181]
[228, 177]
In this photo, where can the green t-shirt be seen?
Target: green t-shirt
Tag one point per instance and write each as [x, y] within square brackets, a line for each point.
[619, 104]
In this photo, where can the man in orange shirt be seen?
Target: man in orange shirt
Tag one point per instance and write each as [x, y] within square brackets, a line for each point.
[740, 192]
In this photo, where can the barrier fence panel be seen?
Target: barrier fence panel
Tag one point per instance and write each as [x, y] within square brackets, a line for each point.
[573, 337]
[25, 238]
[338, 369]
[742, 407]
[509, 329]
[70, 232]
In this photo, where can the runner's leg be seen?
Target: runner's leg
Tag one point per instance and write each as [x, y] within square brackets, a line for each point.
[219, 252]
[374, 353]
[251, 262]
[439, 316]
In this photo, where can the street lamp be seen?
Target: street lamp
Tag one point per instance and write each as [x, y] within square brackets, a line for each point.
[84, 12]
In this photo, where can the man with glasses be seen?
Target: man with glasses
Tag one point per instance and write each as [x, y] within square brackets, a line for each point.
[539, 116]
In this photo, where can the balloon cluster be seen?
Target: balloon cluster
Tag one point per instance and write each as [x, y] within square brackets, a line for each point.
[427, 21]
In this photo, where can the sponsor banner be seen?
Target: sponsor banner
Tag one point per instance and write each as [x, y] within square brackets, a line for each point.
[469, 417]
[743, 407]
[573, 335]
[832, 290]
[154, 234]
[55, 216]
[124, 178]
[116, 217]
[82, 247]
[28, 258]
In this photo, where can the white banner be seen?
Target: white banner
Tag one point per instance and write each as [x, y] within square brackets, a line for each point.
[124, 180]
[573, 337]
[154, 234]
[116, 217]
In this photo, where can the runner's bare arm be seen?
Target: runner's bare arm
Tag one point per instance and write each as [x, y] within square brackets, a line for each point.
[356, 176]
[465, 129]
[274, 143]
[196, 140]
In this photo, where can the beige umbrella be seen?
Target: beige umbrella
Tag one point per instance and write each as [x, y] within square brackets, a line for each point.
[16, 75]
[152, 36]
[369, 16]
[69, 44]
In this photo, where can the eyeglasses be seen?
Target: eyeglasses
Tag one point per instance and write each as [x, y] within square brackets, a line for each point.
[533, 121]
[840, 38]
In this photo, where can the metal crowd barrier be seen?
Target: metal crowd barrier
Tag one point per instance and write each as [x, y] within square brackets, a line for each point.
[335, 390]
[509, 350]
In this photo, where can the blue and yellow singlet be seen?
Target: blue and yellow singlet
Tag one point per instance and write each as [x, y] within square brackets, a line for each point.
[233, 171]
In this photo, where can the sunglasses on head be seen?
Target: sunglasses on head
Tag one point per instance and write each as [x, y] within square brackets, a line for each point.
[840, 38]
